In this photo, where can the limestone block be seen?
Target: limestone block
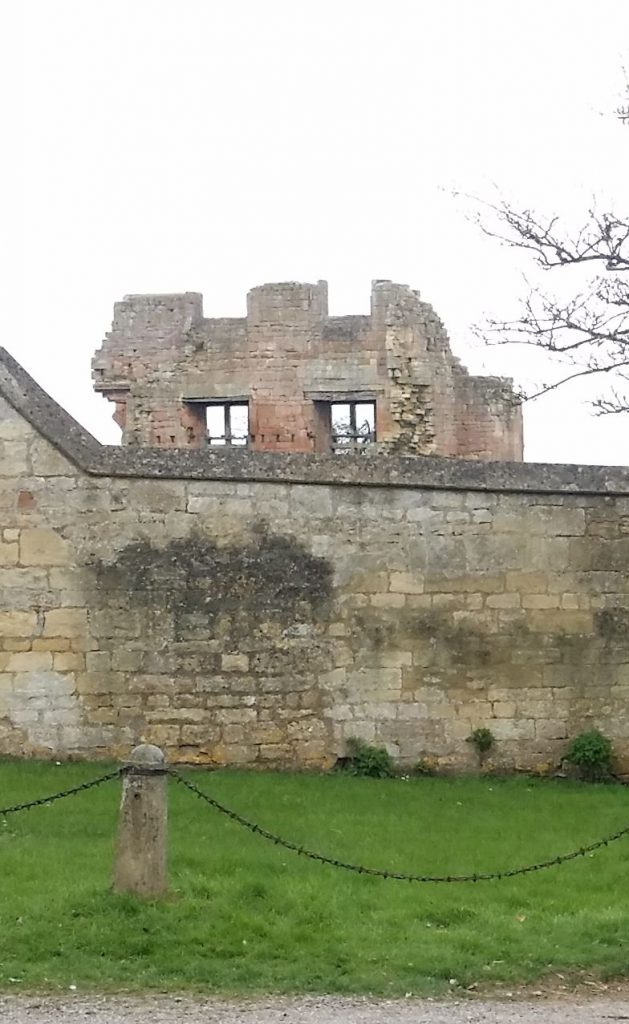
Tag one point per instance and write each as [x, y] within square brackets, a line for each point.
[233, 734]
[503, 709]
[510, 729]
[447, 601]
[235, 663]
[406, 583]
[48, 461]
[557, 521]
[40, 546]
[388, 600]
[26, 716]
[527, 582]
[15, 623]
[69, 662]
[551, 729]
[394, 659]
[66, 579]
[341, 712]
[50, 643]
[369, 583]
[418, 601]
[65, 622]
[193, 716]
[235, 716]
[124, 660]
[98, 661]
[201, 736]
[361, 729]
[478, 583]
[216, 488]
[503, 601]
[343, 656]
[315, 501]
[13, 426]
[8, 554]
[30, 661]
[337, 629]
[158, 496]
[10, 644]
[14, 459]
[102, 683]
[560, 621]
[541, 601]
[380, 710]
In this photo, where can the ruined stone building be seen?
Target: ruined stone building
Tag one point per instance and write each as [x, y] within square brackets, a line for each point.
[288, 377]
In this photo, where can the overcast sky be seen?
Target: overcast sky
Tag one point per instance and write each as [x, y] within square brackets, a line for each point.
[213, 145]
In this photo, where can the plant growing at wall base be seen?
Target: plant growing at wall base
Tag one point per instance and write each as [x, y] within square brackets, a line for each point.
[482, 740]
[367, 760]
[426, 766]
[592, 753]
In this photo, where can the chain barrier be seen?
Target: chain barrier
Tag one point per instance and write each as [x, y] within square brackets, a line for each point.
[42, 801]
[321, 858]
[489, 876]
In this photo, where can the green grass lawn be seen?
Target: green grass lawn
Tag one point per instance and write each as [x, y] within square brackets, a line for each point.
[247, 916]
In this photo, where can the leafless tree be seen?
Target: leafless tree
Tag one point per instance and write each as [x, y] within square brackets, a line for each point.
[587, 333]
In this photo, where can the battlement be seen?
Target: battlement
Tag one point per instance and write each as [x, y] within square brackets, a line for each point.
[287, 302]
[298, 374]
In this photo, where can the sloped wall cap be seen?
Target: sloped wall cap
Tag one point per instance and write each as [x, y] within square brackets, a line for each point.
[19, 389]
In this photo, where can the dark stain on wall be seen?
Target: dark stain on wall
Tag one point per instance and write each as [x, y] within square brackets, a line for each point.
[271, 577]
[612, 624]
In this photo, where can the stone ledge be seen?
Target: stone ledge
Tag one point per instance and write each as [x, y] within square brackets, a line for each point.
[426, 472]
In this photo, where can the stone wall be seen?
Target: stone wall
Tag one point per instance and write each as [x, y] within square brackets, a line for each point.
[287, 358]
[243, 608]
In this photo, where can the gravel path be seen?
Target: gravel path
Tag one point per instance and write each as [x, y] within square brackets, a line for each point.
[325, 1010]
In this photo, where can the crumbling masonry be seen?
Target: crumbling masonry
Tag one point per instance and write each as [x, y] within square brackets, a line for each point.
[273, 380]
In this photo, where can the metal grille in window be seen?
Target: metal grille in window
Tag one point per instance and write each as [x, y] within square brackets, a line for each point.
[228, 423]
[353, 426]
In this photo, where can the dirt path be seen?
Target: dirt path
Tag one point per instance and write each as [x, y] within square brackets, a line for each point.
[325, 1010]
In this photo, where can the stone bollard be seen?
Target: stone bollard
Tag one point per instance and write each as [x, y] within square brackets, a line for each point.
[140, 864]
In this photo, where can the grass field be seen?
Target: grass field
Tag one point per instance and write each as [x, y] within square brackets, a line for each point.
[247, 916]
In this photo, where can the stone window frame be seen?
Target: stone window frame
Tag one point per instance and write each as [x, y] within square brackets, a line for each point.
[324, 401]
[228, 438]
[355, 436]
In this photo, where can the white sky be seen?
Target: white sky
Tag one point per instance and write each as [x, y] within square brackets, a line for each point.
[213, 145]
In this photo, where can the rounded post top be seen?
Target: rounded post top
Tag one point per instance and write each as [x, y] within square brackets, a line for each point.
[146, 755]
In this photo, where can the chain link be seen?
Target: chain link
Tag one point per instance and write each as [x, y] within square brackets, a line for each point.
[489, 876]
[43, 801]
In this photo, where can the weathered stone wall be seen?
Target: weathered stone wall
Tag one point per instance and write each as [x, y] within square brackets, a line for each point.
[228, 610]
[286, 356]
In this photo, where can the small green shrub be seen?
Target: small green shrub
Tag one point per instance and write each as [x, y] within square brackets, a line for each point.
[592, 754]
[482, 740]
[364, 759]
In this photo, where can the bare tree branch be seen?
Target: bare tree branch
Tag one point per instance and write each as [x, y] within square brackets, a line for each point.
[588, 332]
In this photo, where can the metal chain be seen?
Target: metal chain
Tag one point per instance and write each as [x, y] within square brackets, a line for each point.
[42, 801]
[489, 876]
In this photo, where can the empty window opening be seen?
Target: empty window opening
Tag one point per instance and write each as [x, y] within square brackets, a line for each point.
[227, 423]
[353, 425]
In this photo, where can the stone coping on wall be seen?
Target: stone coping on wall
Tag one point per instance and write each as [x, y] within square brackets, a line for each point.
[19, 389]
